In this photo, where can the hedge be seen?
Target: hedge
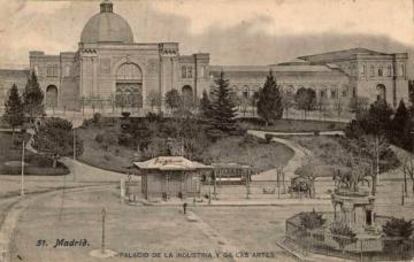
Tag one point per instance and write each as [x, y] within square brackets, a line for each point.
[35, 171]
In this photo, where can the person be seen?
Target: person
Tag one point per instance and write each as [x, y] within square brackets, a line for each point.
[185, 208]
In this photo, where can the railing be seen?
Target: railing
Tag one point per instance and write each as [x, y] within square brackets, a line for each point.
[321, 241]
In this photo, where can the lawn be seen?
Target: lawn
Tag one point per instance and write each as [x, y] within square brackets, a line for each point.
[329, 151]
[114, 158]
[255, 152]
[36, 164]
[241, 149]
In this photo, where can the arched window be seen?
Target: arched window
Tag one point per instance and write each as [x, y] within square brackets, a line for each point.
[381, 92]
[380, 71]
[246, 92]
[128, 91]
[183, 72]
[129, 71]
[51, 96]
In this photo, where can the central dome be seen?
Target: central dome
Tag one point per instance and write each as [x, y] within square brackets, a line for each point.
[107, 27]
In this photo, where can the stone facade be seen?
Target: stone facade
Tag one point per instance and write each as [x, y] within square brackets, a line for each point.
[335, 76]
[110, 72]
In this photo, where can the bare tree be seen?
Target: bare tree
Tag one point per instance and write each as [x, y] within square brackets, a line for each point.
[408, 169]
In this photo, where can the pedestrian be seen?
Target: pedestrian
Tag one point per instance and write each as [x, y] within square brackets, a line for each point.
[185, 208]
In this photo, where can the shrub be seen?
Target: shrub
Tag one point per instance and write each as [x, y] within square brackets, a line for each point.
[99, 138]
[125, 114]
[342, 234]
[107, 157]
[268, 138]
[398, 227]
[312, 220]
[97, 118]
[397, 234]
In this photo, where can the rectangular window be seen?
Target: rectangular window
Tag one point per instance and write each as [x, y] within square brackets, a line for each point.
[333, 93]
[190, 72]
[372, 71]
[49, 71]
[183, 72]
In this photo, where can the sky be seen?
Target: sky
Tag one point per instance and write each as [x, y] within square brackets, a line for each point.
[232, 31]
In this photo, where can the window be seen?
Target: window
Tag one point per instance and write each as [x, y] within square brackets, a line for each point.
[67, 70]
[246, 92]
[202, 71]
[323, 93]
[344, 93]
[363, 70]
[189, 72]
[389, 70]
[372, 71]
[402, 70]
[333, 93]
[380, 71]
[52, 70]
[183, 72]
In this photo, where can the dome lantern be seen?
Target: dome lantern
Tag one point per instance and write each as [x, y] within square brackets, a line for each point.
[106, 7]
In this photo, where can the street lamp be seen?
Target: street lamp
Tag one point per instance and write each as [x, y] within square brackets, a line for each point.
[22, 175]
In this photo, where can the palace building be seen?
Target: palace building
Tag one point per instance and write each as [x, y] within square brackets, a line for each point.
[110, 72]
[335, 76]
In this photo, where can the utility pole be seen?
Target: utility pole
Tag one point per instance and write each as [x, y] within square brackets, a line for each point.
[22, 178]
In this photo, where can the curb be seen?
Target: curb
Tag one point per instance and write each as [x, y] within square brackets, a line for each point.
[14, 213]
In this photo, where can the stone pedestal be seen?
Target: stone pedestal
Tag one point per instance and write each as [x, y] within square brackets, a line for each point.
[354, 209]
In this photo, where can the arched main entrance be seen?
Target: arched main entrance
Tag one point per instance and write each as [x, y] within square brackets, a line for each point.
[381, 92]
[187, 92]
[128, 89]
[51, 96]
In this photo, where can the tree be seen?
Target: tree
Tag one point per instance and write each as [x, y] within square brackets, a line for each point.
[154, 99]
[14, 114]
[55, 137]
[408, 169]
[357, 104]
[401, 127]
[288, 101]
[173, 99]
[269, 105]
[222, 108]
[33, 98]
[254, 100]
[305, 99]
[205, 105]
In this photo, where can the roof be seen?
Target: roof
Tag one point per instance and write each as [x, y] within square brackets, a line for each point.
[340, 54]
[278, 71]
[107, 26]
[170, 163]
[14, 73]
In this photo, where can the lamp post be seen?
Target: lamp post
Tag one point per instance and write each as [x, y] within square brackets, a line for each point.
[22, 177]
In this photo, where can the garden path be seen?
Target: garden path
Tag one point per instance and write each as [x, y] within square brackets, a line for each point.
[300, 156]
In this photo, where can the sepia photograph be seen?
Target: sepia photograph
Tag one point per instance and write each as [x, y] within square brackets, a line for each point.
[206, 130]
